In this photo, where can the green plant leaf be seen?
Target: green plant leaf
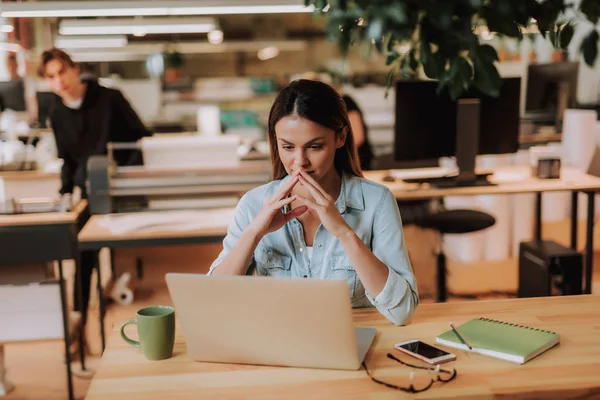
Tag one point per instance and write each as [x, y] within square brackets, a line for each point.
[391, 57]
[434, 66]
[375, 28]
[589, 47]
[591, 9]
[413, 62]
[487, 79]
[566, 34]
[487, 53]
[388, 81]
[395, 12]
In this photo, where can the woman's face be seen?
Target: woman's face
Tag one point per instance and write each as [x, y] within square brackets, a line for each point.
[305, 144]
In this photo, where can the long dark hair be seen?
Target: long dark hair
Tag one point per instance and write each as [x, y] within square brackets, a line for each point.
[319, 103]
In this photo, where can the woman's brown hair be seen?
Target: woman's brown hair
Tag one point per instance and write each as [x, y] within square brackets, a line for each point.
[319, 103]
[53, 54]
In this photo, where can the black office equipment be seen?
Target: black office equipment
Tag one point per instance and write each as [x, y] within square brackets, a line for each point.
[431, 125]
[551, 89]
[547, 268]
[13, 94]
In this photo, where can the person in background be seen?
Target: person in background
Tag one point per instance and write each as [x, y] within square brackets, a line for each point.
[28, 84]
[357, 121]
[85, 117]
[319, 218]
[87, 73]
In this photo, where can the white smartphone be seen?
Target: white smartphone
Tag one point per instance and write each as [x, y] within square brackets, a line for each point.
[424, 352]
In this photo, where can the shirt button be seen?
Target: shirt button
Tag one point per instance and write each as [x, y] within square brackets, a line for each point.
[319, 245]
[301, 249]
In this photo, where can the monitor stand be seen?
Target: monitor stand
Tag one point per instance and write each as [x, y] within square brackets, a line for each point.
[467, 147]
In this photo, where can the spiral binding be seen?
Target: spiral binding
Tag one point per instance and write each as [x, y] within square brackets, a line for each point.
[495, 321]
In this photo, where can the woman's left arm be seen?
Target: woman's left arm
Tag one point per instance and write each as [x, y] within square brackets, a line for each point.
[384, 271]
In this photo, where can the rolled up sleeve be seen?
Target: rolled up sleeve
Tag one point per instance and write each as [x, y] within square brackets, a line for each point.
[399, 297]
[241, 220]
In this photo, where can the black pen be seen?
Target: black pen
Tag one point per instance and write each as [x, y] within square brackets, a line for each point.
[461, 337]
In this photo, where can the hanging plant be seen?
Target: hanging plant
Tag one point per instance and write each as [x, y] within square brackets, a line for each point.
[173, 59]
[440, 35]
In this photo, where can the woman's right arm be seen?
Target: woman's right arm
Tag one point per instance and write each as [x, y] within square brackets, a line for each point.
[246, 231]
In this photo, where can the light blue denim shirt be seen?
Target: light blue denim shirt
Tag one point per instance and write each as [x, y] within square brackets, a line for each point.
[370, 209]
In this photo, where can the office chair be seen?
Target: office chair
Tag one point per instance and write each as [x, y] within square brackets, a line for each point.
[452, 222]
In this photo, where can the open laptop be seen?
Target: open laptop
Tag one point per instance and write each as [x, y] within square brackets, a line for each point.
[268, 321]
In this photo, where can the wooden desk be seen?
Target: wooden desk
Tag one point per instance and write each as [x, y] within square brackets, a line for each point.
[94, 236]
[513, 180]
[45, 237]
[569, 370]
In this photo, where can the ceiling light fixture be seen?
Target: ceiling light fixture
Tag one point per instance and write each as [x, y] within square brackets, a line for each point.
[215, 37]
[90, 42]
[131, 8]
[138, 27]
[267, 53]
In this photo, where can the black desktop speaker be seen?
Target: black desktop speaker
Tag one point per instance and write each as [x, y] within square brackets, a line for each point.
[547, 268]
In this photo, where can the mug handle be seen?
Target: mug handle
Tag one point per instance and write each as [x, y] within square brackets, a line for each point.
[125, 338]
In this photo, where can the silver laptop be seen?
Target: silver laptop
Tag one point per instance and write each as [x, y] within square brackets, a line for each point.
[268, 321]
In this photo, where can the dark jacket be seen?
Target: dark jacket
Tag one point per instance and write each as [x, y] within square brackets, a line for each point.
[104, 116]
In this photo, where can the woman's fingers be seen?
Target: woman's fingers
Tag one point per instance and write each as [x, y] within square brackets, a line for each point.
[316, 194]
[295, 213]
[283, 202]
[314, 183]
[286, 189]
[306, 202]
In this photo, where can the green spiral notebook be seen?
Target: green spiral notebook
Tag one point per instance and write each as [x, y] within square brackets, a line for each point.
[499, 339]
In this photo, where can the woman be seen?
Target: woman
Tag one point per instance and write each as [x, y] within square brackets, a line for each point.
[85, 117]
[319, 218]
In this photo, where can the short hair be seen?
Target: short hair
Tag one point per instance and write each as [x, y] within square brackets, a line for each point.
[53, 54]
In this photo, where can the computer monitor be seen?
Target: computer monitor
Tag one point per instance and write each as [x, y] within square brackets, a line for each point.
[13, 95]
[551, 88]
[426, 122]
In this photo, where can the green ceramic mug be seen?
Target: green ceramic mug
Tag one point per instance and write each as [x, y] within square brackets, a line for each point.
[156, 331]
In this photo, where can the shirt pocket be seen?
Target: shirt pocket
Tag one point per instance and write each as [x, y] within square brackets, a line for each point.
[342, 269]
[273, 262]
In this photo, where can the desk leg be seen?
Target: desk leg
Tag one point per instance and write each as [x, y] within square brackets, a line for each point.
[65, 314]
[589, 244]
[5, 385]
[538, 216]
[101, 304]
[574, 198]
[79, 294]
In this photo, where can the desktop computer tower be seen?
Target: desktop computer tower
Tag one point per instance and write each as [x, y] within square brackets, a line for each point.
[547, 268]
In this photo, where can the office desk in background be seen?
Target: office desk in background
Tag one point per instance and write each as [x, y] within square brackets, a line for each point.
[96, 236]
[41, 238]
[569, 370]
[515, 180]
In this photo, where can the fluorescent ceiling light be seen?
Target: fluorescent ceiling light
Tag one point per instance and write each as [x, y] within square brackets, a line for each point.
[90, 42]
[138, 27]
[141, 51]
[10, 46]
[267, 53]
[151, 8]
[7, 28]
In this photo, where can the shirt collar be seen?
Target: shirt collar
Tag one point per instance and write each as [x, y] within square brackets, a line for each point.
[351, 193]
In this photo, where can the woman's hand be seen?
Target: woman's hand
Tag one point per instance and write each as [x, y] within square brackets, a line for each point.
[323, 205]
[270, 218]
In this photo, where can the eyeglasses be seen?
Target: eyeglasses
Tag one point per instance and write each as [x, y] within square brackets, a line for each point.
[411, 389]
